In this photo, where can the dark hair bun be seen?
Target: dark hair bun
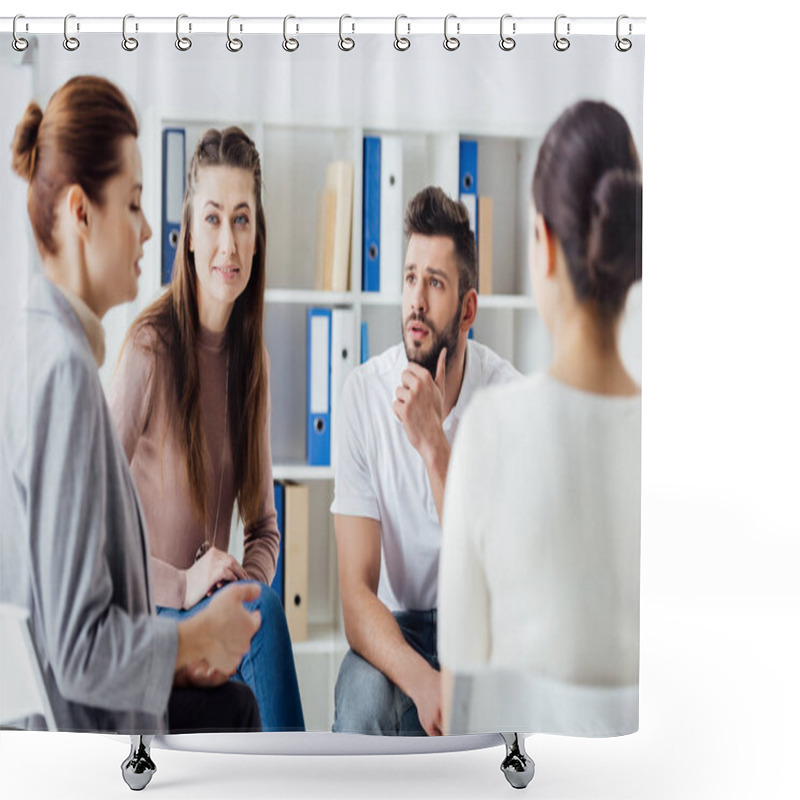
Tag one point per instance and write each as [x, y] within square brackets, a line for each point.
[614, 246]
[23, 148]
[587, 186]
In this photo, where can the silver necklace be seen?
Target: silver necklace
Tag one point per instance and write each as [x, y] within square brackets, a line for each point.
[206, 546]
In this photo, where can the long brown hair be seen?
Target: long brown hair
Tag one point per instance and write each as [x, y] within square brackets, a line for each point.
[173, 318]
[76, 140]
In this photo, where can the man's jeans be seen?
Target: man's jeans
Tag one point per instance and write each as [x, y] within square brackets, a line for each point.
[367, 701]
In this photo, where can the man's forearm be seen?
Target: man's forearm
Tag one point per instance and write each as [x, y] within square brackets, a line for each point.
[437, 460]
[373, 633]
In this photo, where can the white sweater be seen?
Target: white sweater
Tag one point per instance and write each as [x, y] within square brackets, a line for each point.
[539, 569]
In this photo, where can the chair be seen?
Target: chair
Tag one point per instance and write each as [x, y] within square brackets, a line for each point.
[22, 689]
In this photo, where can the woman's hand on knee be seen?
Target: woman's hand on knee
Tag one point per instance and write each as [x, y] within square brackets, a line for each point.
[218, 636]
[227, 626]
[215, 566]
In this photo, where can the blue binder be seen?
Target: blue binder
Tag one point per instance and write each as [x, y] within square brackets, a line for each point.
[173, 183]
[371, 255]
[277, 581]
[364, 343]
[318, 388]
[468, 180]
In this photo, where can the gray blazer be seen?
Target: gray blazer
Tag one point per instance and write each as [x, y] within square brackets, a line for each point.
[73, 547]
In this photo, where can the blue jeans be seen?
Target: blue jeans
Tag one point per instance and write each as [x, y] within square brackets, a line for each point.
[367, 701]
[268, 667]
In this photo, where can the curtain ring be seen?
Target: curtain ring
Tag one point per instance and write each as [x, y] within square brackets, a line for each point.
[451, 42]
[183, 43]
[18, 43]
[561, 43]
[129, 43]
[233, 44]
[289, 45]
[70, 42]
[623, 45]
[346, 43]
[401, 42]
[507, 42]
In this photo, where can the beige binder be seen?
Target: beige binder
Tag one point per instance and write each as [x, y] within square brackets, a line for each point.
[326, 229]
[340, 180]
[295, 553]
[485, 224]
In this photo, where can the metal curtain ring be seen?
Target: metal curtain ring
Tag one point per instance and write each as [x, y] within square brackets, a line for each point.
[561, 43]
[233, 44]
[623, 45]
[507, 42]
[451, 42]
[289, 44]
[128, 42]
[401, 42]
[183, 43]
[70, 42]
[346, 43]
[18, 43]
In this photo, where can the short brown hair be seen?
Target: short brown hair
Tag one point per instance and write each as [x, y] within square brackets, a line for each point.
[432, 213]
[74, 141]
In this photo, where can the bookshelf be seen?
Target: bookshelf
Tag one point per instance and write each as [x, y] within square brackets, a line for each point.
[294, 162]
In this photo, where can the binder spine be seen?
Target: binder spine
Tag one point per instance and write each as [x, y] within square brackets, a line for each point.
[391, 216]
[318, 438]
[173, 176]
[343, 361]
[371, 255]
[278, 580]
[364, 342]
[468, 180]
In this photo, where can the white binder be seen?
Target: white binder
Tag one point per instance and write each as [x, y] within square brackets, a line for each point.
[392, 211]
[343, 360]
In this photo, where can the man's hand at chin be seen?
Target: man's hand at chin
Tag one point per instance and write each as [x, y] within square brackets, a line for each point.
[419, 405]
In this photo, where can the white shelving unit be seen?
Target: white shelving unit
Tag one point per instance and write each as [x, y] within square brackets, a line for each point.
[294, 162]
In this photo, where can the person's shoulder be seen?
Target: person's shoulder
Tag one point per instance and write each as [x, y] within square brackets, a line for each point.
[379, 370]
[493, 368]
[144, 348]
[50, 337]
[504, 399]
[60, 366]
[146, 336]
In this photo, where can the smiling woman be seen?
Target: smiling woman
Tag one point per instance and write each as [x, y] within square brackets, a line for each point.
[222, 240]
[190, 400]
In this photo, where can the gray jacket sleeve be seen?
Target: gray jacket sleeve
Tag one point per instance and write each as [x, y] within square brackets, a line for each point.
[107, 649]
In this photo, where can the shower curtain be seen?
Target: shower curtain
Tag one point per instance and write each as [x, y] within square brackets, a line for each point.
[347, 139]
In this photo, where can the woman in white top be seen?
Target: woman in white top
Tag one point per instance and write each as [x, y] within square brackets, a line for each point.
[539, 571]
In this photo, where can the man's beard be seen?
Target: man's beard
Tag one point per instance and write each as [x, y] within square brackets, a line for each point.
[438, 339]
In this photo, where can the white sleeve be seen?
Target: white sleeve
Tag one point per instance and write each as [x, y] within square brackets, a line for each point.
[464, 600]
[354, 488]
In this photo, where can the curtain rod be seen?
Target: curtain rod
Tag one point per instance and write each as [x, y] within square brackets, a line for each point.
[348, 25]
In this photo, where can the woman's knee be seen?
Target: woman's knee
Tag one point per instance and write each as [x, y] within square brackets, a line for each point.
[269, 606]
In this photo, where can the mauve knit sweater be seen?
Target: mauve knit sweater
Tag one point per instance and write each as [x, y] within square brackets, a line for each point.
[159, 472]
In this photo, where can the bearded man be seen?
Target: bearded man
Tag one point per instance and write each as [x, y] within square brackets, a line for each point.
[398, 418]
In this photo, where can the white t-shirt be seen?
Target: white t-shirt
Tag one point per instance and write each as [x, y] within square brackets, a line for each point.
[542, 526]
[381, 476]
